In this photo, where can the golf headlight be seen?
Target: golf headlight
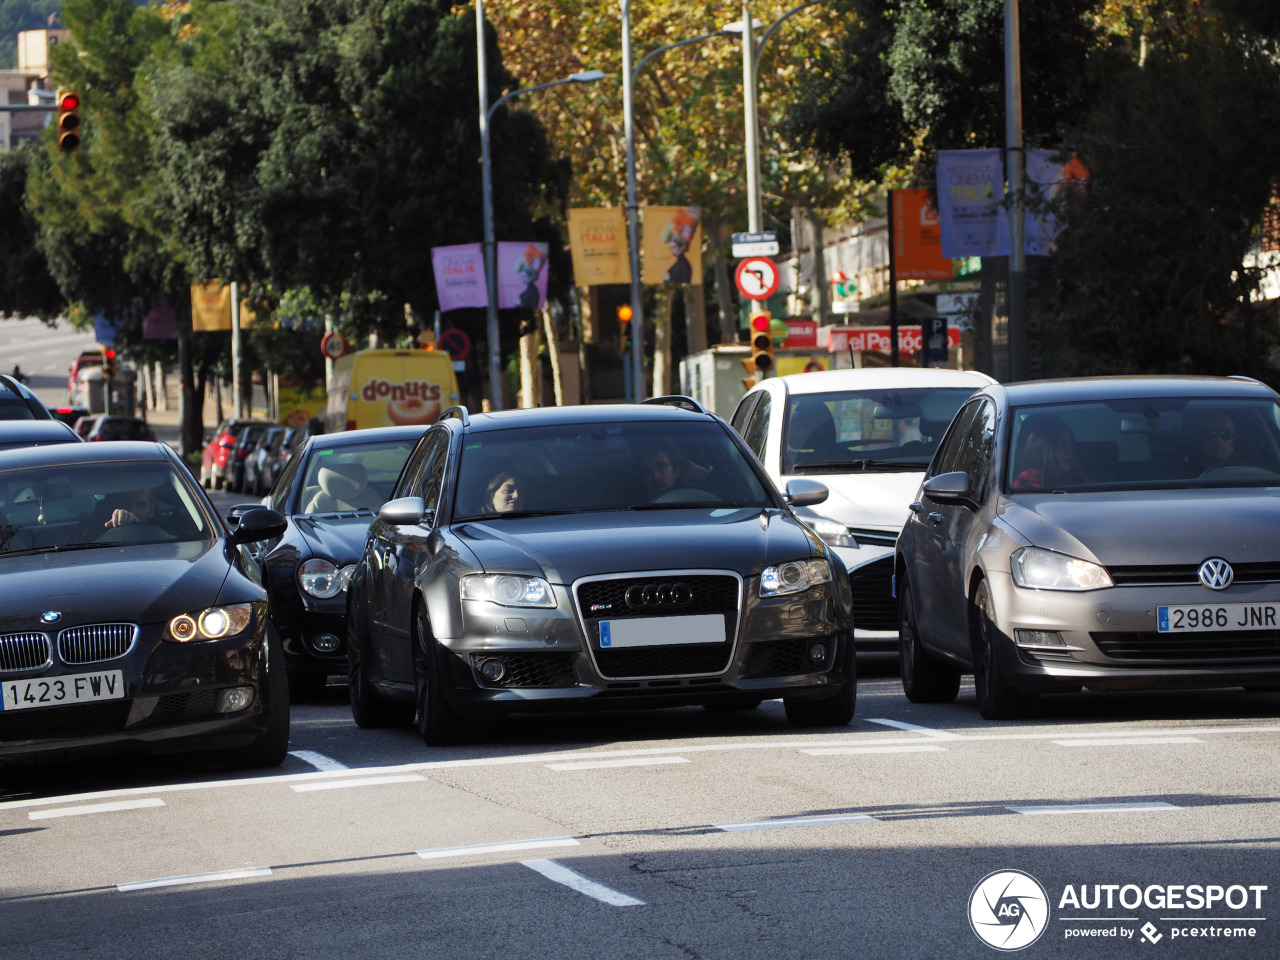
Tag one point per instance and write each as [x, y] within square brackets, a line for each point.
[322, 579]
[508, 590]
[832, 532]
[1039, 569]
[212, 623]
[795, 576]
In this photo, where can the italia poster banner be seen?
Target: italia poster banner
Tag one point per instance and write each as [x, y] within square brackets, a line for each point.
[672, 245]
[974, 220]
[598, 243]
[459, 272]
[522, 275]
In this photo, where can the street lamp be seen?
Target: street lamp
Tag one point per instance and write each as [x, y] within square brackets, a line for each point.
[486, 172]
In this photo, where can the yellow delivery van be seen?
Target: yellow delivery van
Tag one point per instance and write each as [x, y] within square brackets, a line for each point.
[386, 388]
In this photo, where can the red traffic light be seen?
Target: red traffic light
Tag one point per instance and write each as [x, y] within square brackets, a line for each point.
[69, 101]
[68, 121]
[760, 322]
[109, 354]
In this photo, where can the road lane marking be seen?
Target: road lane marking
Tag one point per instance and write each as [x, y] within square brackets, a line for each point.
[576, 881]
[914, 728]
[626, 762]
[361, 782]
[1122, 741]
[243, 874]
[787, 822]
[96, 808]
[318, 760]
[1064, 808]
[897, 748]
[483, 848]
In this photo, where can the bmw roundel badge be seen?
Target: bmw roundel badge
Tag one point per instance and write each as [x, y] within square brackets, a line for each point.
[50, 616]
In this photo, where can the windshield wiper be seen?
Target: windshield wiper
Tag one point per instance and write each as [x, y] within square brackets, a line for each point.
[517, 514]
[855, 466]
[52, 548]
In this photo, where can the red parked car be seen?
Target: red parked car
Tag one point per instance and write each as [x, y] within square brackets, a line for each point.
[217, 448]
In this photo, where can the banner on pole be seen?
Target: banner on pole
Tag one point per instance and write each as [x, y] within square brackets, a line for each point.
[598, 244]
[459, 273]
[917, 238]
[672, 245]
[974, 220]
[522, 275]
[210, 306]
[1048, 176]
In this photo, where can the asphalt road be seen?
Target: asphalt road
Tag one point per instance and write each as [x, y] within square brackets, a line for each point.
[1108, 825]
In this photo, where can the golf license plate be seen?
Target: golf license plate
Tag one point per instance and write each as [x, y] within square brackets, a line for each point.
[61, 691]
[1209, 617]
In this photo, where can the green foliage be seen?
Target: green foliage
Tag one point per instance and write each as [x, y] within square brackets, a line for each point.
[26, 288]
[18, 15]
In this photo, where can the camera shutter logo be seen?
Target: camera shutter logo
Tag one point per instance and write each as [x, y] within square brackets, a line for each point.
[1008, 910]
[1216, 574]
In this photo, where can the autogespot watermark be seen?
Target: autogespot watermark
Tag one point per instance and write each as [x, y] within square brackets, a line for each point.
[1009, 910]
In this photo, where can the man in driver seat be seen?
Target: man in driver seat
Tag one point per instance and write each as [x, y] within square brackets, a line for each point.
[130, 506]
[662, 469]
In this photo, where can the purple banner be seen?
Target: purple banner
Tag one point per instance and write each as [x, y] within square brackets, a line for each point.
[522, 275]
[974, 220]
[459, 274]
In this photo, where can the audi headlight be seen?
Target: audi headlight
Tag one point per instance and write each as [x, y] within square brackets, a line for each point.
[795, 576]
[322, 579]
[1039, 569]
[833, 532]
[508, 590]
[212, 623]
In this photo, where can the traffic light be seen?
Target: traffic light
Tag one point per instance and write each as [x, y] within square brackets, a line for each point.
[68, 121]
[843, 285]
[762, 342]
[625, 313]
[108, 363]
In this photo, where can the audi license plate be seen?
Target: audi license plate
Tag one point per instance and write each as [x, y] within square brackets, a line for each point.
[61, 691]
[662, 631]
[1203, 618]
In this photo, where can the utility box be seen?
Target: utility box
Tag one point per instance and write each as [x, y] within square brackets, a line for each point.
[714, 377]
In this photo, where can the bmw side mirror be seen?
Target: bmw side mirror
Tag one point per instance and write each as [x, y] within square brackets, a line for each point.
[233, 514]
[404, 511]
[947, 487]
[805, 493]
[258, 524]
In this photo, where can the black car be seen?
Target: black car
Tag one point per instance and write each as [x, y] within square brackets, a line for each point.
[256, 481]
[584, 557]
[330, 493]
[68, 414]
[245, 441]
[17, 402]
[130, 619]
[108, 427]
[15, 434]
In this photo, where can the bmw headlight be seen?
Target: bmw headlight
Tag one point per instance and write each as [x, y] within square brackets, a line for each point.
[1039, 569]
[508, 590]
[322, 579]
[212, 623]
[795, 576]
[832, 532]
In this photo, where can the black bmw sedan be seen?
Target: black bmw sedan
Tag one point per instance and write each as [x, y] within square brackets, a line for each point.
[585, 557]
[129, 619]
[329, 493]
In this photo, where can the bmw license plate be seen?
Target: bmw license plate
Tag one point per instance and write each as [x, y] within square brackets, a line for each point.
[662, 631]
[61, 691]
[1203, 618]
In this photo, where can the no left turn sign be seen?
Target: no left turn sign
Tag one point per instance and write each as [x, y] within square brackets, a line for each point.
[757, 278]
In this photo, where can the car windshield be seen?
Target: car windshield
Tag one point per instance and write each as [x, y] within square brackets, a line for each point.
[91, 505]
[1144, 444]
[848, 431]
[355, 477]
[577, 468]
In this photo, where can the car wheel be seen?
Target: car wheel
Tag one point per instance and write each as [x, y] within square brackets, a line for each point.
[834, 711]
[271, 746]
[369, 710]
[997, 698]
[439, 724]
[924, 679]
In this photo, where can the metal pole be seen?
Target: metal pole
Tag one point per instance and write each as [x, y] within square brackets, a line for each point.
[1015, 162]
[749, 119]
[894, 359]
[635, 388]
[490, 265]
[235, 349]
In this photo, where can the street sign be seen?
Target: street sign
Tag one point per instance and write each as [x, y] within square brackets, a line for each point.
[757, 278]
[455, 342]
[333, 345]
[762, 244]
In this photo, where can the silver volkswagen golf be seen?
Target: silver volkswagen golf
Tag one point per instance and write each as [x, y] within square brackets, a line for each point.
[1108, 533]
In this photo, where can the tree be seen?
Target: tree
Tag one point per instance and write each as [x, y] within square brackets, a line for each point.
[26, 287]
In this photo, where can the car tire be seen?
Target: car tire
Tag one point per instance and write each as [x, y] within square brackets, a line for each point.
[369, 710]
[271, 746]
[997, 698]
[438, 723]
[834, 711]
[924, 679]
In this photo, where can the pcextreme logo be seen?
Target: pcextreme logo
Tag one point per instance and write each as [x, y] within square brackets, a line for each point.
[1008, 910]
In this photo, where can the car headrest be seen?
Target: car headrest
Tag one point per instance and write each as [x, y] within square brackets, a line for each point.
[342, 480]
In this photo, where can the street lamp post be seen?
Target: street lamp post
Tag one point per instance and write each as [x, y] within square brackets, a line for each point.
[486, 173]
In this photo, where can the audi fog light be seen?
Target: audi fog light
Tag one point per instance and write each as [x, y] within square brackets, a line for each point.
[795, 576]
[493, 670]
[233, 699]
[1039, 569]
[508, 589]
